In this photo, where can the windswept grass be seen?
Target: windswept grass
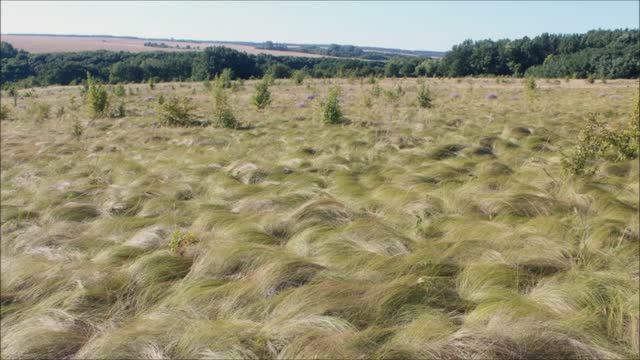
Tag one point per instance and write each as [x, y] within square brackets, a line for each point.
[439, 229]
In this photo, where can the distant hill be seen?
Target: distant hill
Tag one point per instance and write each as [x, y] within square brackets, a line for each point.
[48, 43]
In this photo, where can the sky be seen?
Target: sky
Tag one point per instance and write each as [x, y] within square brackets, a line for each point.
[428, 25]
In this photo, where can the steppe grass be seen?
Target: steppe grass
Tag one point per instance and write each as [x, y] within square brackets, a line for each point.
[444, 232]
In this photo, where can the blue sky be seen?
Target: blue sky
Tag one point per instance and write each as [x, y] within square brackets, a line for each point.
[425, 25]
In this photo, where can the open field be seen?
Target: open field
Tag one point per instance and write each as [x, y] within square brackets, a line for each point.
[441, 233]
[51, 44]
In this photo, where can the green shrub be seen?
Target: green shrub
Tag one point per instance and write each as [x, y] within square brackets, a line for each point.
[13, 93]
[152, 83]
[262, 97]
[367, 101]
[161, 99]
[268, 77]
[118, 112]
[376, 90]
[372, 80]
[237, 85]
[72, 103]
[39, 111]
[298, 77]
[331, 112]
[530, 83]
[180, 240]
[394, 95]
[207, 85]
[223, 113]
[120, 91]
[279, 71]
[626, 139]
[60, 111]
[97, 98]
[424, 96]
[224, 78]
[597, 140]
[4, 112]
[176, 111]
[77, 129]
[590, 80]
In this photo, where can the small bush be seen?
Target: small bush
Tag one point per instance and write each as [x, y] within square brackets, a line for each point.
[331, 112]
[152, 83]
[224, 78]
[394, 95]
[223, 113]
[268, 77]
[97, 98]
[596, 140]
[180, 241]
[60, 112]
[120, 91]
[77, 129]
[262, 97]
[207, 85]
[161, 99]
[39, 111]
[118, 112]
[424, 96]
[590, 79]
[298, 77]
[237, 85]
[72, 103]
[376, 91]
[13, 93]
[372, 80]
[4, 112]
[176, 111]
[530, 83]
[367, 101]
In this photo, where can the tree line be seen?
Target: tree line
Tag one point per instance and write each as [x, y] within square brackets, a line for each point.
[597, 53]
[26, 69]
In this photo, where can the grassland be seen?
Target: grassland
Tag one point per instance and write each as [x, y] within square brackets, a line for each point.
[442, 233]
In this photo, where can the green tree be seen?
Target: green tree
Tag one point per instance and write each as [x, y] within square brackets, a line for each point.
[225, 78]
[97, 98]
[531, 83]
[279, 71]
[176, 111]
[331, 111]
[424, 96]
[223, 113]
[262, 97]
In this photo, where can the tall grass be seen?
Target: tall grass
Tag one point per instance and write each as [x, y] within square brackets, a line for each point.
[452, 233]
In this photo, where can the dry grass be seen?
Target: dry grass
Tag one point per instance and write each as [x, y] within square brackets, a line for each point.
[445, 233]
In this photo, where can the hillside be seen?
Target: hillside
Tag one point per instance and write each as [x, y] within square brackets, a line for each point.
[54, 43]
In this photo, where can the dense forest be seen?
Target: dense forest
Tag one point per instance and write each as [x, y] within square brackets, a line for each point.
[27, 69]
[598, 53]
